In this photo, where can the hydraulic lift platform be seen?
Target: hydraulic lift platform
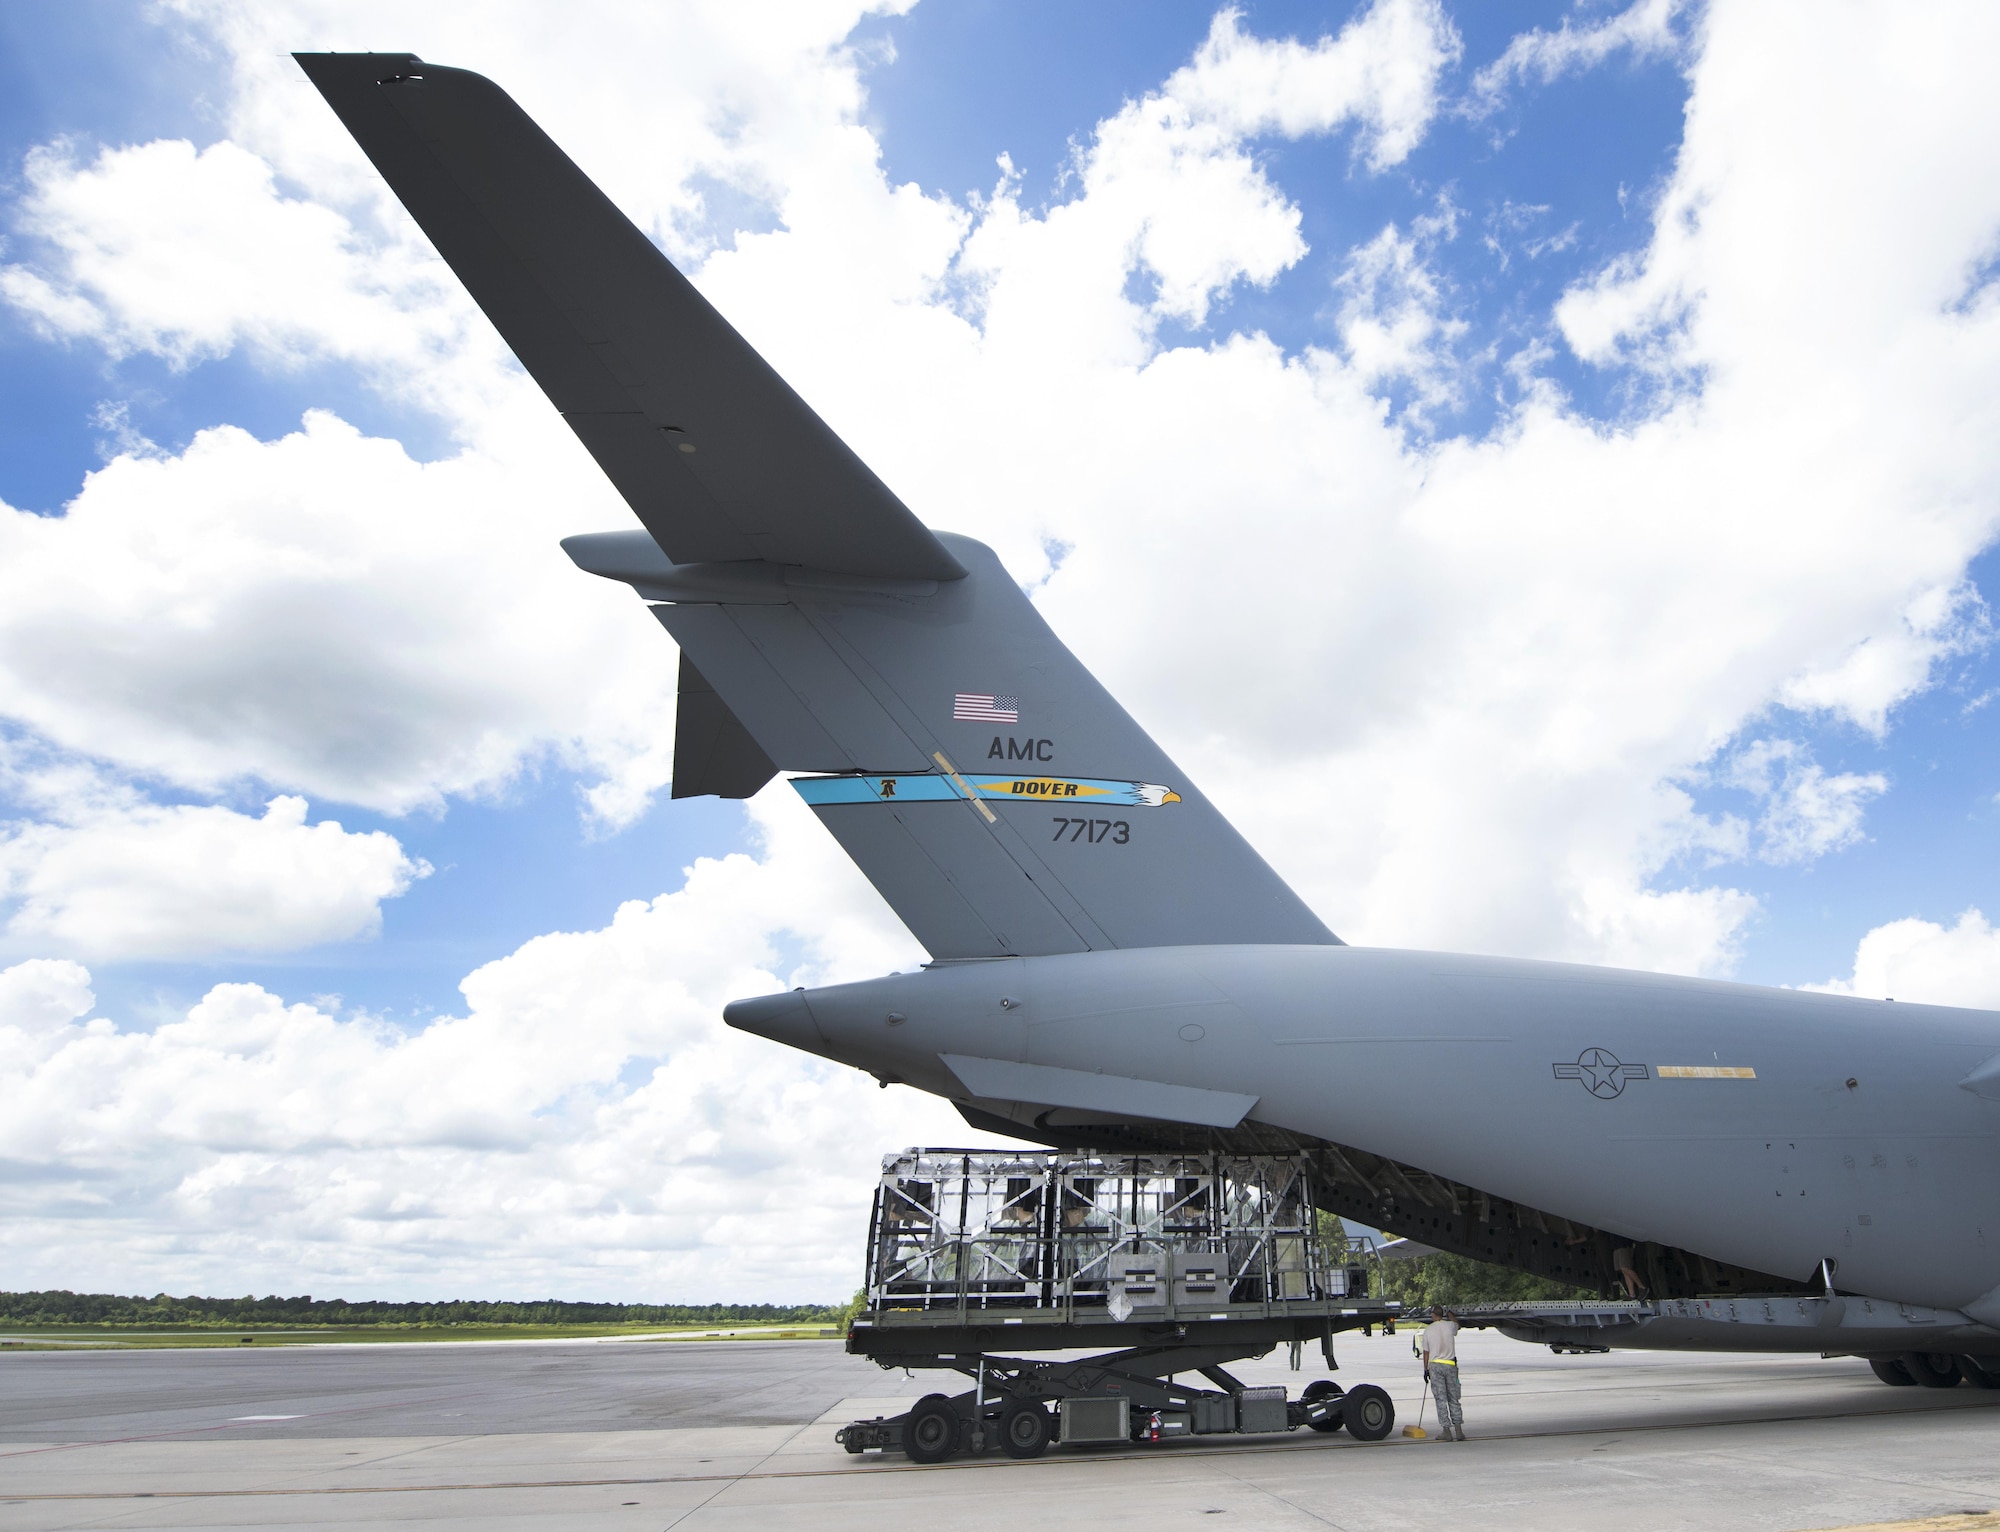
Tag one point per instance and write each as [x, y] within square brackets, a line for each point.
[983, 1263]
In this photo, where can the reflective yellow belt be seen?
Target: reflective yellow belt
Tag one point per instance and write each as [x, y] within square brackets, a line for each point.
[1444, 1361]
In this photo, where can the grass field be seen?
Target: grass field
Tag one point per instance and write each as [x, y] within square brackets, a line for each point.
[122, 1337]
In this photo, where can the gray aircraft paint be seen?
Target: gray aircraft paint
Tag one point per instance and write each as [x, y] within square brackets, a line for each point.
[1161, 977]
[680, 414]
[855, 676]
[1453, 1063]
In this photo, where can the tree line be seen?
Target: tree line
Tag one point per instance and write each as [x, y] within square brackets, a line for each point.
[66, 1308]
[1426, 1281]
[1457, 1280]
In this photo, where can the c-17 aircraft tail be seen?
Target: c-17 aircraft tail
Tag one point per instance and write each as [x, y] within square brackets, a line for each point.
[994, 793]
[1115, 966]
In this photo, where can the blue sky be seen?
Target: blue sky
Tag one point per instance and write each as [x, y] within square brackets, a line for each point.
[508, 866]
[1623, 646]
[1932, 847]
[949, 90]
[964, 84]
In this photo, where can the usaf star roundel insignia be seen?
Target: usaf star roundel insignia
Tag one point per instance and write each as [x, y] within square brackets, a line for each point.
[1602, 1075]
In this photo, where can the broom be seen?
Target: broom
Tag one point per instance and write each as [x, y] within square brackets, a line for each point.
[1417, 1431]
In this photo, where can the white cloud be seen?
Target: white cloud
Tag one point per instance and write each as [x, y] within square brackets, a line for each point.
[586, 1114]
[1381, 70]
[1645, 28]
[1511, 646]
[41, 1003]
[44, 994]
[1170, 178]
[1922, 961]
[1807, 812]
[113, 876]
[322, 614]
[760, 101]
[1521, 639]
[1448, 686]
[1392, 319]
[1895, 662]
[133, 263]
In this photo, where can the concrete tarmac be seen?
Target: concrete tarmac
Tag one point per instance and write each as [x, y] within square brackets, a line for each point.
[424, 1389]
[740, 1434]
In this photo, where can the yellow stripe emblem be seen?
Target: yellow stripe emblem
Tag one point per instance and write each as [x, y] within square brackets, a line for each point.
[1046, 787]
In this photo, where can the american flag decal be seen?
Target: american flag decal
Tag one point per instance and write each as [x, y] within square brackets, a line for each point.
[984, 707]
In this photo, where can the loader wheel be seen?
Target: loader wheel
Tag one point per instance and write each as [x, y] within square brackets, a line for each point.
[1368, 1413]
[1024, 1430]
[1933, 1369]
[1323, 1388]
[931, 1433]
[1891, 1371]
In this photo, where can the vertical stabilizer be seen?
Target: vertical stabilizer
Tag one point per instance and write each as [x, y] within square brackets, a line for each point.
[998, 797]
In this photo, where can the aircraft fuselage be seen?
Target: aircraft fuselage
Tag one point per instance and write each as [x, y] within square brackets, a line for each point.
[1772, 1129]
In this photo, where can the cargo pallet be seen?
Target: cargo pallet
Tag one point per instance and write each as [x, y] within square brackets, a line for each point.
[1162, 1265]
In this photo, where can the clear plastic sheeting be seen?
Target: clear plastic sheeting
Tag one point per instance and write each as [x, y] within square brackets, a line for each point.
[1154, 1238]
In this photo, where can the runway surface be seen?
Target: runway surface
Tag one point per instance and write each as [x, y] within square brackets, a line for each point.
[424, 1390]
[739, 1434]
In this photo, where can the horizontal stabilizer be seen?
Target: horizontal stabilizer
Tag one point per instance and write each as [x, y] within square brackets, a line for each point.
[714, 451]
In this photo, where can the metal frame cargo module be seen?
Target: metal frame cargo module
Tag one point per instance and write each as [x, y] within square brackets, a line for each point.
[1180, 1263]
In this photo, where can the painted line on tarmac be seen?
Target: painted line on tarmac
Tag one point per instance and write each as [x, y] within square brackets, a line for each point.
[1196, 1448]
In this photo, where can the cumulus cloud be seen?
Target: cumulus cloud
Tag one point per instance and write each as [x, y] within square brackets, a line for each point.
[322, 613]
[1520, 642]
[1171, 178]
[42, 1005]
[41, 997]
[1923, 961]
[114, 876]
[132, 262]
[757, 103]
[1450, 686]
[586, 1114]
[1897, 660]
[1513, 646]
[1381, 70]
